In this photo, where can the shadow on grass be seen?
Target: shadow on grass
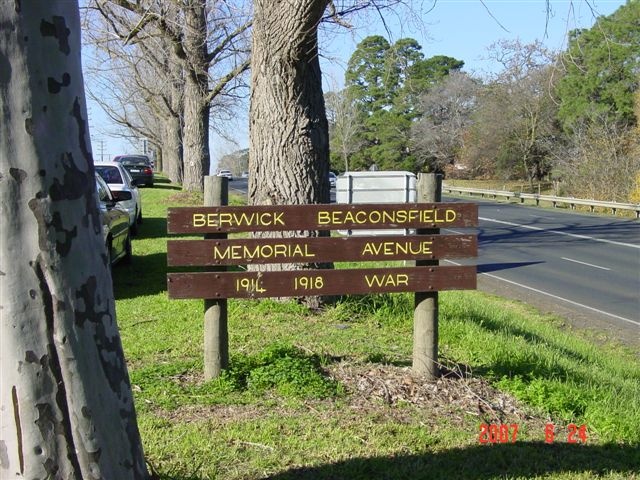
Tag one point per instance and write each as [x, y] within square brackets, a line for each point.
[517, 366]
[153, 227]
[147, 275]
[165, 183]
[481, 462]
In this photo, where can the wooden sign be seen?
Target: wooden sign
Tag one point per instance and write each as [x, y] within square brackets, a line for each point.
[323, 249]
[212, 285]
[201, 220]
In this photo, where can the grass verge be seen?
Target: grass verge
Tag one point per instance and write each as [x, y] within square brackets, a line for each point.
[330, 394]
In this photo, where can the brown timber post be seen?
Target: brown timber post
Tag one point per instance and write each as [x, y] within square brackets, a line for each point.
[425, 315]
[216, 335]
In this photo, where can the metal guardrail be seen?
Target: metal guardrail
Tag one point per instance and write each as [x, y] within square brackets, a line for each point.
[537, 198]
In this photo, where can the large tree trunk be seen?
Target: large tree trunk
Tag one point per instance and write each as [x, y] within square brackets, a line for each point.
[196, 89]
[66, 408]
[172, 149]
[289, 133]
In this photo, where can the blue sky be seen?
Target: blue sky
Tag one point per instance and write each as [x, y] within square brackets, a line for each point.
[458, 28]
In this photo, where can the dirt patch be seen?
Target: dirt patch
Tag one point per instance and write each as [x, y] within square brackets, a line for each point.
[455, 394]
[456, 399]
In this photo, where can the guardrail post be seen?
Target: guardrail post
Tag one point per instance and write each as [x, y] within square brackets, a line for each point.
[425, 315]
[216, 334]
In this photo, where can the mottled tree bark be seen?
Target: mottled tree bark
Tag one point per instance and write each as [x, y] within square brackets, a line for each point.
[66, 408]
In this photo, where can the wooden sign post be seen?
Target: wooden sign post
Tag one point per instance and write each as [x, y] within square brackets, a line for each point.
[426, 246]
[216, 331]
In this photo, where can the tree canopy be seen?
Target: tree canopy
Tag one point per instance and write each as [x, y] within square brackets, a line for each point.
[602, 69]
[384, 82]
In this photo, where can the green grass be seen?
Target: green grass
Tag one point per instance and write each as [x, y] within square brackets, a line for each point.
[277, 413]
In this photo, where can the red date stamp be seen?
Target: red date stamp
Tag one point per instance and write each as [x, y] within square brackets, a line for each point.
[502, 433]
[508, 433]
[575, 433]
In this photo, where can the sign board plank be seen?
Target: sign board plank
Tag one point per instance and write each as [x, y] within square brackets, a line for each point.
[211, 285]
[201, 220]
[323, 249]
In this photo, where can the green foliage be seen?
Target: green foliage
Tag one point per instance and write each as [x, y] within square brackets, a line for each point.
[385, 82]
[283, 368]
[553, 395]
[386, 307]
[245, 425]
[368, 77]
[602, 65]
[291, 373]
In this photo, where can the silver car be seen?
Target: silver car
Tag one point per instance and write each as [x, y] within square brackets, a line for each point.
[119, 180]
[115, 223]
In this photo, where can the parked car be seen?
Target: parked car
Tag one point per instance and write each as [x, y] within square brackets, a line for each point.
[119, 180]
[115, 222]
[226, 173]
[244, 175]
[139, 166]
[332, 179]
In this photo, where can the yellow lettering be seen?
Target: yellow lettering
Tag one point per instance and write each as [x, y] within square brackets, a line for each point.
[373, 280]
[323, 218]
[225, 218]
[199, 220]
[280, 250]
[217, 254]
[262, 220]
[387, 280]
[277, 218]
[250, 285]
[426, 216]
[451, 215]
[389, 217]
[252, 254]
[245, 219]
[348, 217]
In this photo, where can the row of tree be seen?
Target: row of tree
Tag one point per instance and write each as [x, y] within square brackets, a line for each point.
[164, 70]
[570, 114]
[65, 396]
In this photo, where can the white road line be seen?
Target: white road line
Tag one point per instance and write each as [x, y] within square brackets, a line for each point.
[585, 263]
[634, 322]
[457, 232]
[585, 237]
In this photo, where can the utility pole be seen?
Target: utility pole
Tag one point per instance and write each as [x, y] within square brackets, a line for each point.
[101, 142]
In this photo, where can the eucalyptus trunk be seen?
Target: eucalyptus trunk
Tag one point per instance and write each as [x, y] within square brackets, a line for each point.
[66, 406]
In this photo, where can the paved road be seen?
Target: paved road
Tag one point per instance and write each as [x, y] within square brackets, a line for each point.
[583, 267]
[586, 265]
